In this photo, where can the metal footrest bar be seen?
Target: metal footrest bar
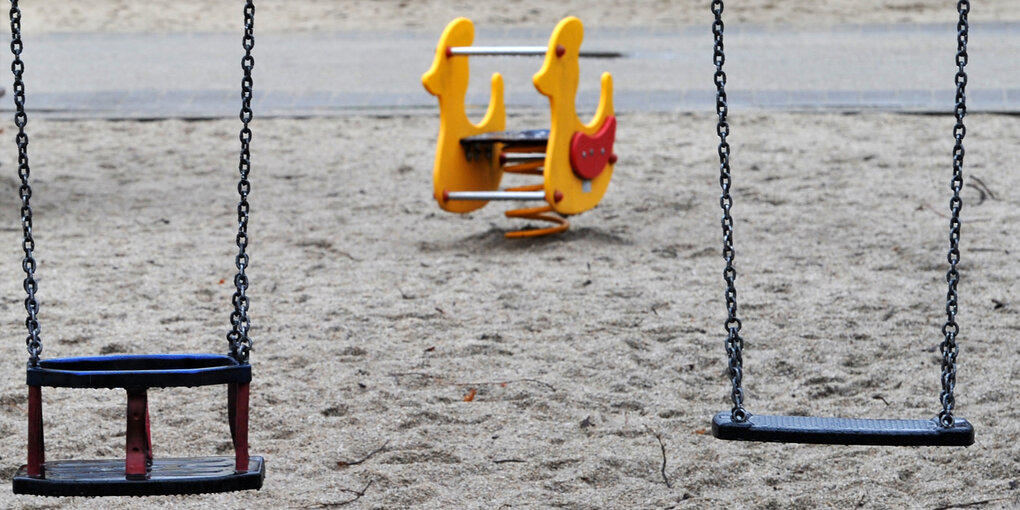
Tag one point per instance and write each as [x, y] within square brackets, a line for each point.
[514, 158]
[494, 195]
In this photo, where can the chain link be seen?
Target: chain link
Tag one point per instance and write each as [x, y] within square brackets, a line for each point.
[240, 342]
[734, 342]
[950, 350]
[33, 341]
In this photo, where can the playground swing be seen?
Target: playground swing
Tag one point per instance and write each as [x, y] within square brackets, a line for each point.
[140, 474]
[738, 423]
[575, 159]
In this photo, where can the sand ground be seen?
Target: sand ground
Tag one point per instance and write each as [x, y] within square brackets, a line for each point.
[375, 313]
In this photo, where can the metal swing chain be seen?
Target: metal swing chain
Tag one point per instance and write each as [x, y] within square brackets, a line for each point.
[240, 342]
[948, 347]
[734, 342]
[33, 342]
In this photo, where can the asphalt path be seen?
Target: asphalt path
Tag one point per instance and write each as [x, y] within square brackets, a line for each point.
[854, 67]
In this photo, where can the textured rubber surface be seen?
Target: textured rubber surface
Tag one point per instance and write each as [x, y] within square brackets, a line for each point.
[533, 137]
[139, 371]
[848, 431]
[196, 475]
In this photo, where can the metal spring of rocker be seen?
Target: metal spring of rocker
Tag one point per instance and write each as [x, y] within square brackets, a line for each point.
[530, 163]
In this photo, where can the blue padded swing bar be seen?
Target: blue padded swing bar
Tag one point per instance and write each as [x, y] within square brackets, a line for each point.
[139, 371]
[846, 431]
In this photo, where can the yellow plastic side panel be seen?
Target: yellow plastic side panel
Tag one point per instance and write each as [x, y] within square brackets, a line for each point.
[448, 80]
[558, 79]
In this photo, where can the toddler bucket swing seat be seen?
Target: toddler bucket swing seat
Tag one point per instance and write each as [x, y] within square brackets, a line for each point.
[140, 473]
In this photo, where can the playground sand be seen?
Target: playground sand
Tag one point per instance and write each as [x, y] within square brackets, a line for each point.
[375, 314]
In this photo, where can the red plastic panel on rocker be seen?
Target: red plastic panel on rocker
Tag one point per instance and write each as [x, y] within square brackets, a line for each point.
[589, 154]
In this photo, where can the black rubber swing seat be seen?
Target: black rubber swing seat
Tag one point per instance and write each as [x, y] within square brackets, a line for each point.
[192, 475]
[528, 138]
[845, 431]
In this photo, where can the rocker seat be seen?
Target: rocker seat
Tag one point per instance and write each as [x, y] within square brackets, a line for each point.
[845, 431]
[139, 371]
[529, 138]
[194, 475]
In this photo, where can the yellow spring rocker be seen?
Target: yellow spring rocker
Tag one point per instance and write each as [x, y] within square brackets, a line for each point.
[574, 159]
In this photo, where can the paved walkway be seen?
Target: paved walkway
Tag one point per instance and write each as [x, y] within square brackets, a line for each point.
[905, 68]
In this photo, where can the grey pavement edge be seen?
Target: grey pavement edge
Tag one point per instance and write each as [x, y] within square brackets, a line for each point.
[854, 67]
